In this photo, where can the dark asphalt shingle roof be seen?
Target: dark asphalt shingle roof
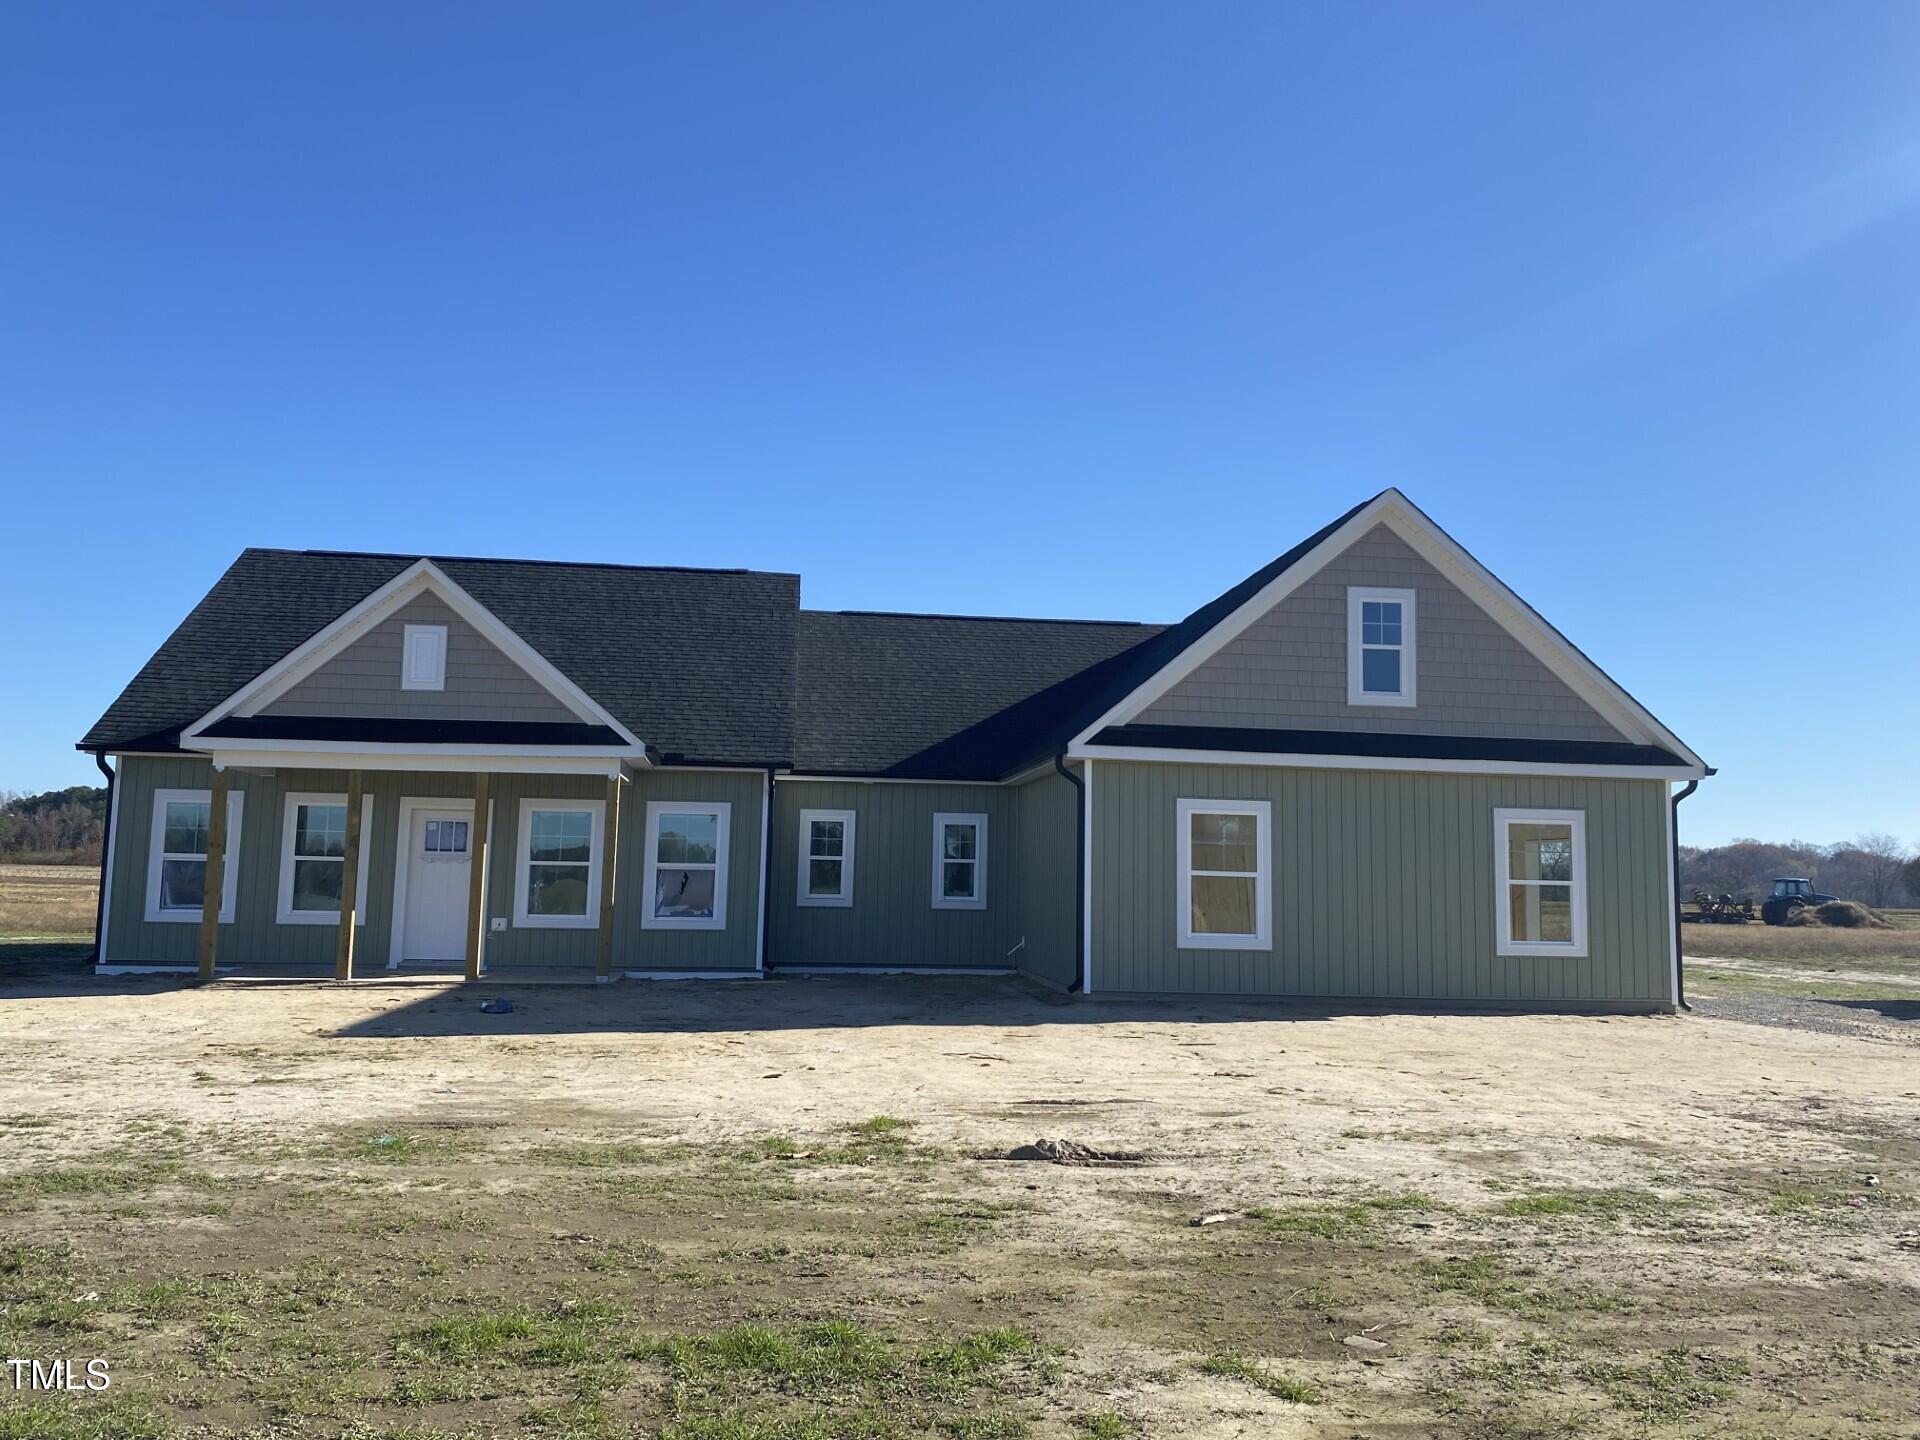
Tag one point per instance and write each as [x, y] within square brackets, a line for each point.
[941, 696]
[697, 663]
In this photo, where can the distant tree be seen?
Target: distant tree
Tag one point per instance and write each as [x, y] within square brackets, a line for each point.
[1910, 878]
[1880, 858]
[55, 826]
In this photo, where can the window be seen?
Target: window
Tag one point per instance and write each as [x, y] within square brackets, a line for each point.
[1226, 874]
[826, 858]
[959, 862]
[313, 848]
[1380, 647]
[686, 880]
[423, 660]
[557, 884]
[177, 856]
[1541, 858]
[445, 837]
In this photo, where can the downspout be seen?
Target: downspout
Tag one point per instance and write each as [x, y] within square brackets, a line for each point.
[1679, 955]
[1079, 875]
[106, 857]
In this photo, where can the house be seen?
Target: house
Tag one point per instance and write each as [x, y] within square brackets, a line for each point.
[1366, 772]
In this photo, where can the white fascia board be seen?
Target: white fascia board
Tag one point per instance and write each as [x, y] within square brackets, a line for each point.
[421, 577]
[1479, 584]
[786, 779]
[530, 760]
[1158, 755]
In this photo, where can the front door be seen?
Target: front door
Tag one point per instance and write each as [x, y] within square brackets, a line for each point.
[437, 868]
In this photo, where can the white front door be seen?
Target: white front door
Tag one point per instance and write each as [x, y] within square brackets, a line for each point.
[438, 857]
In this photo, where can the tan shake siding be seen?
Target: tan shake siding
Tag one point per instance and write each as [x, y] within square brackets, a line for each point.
[1383, 888]
[1288, 670]
[363, 681]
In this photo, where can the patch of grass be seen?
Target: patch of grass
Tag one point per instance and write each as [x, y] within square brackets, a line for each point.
[1341, 1221]
[394, 1147]
[608, 1154]
[30, 1187]
[1676, 1384]
[967, 1359]
[465, 1337]
[1488, 1280]
[1105, 1425]
[1261, 1377]
[1595, 1204]
[91, 1419]
[808, 1357]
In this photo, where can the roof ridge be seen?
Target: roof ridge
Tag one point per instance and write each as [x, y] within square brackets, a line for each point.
[988, 619]
[516, 560]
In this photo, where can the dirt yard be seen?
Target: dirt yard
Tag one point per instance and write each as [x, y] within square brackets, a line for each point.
[771, 1212]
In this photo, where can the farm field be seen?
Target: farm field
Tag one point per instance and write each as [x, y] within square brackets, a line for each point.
[48, 900]
[778, 1211]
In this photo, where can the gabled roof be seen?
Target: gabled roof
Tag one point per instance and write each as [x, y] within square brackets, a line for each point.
[699, 663]
[942, 696]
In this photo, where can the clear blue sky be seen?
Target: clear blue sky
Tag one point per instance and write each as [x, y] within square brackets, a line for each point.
[1045, 309]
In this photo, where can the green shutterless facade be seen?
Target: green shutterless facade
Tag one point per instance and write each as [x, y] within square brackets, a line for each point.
[256, 938]
[1384, 887]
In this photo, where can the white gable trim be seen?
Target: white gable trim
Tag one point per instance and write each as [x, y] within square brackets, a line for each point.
[420, 578]
[1473, 579]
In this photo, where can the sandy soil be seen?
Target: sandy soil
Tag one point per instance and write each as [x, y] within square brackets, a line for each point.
[1237, 1108]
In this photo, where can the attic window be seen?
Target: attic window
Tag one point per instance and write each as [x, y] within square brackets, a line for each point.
[423, 661]
[1380, 646]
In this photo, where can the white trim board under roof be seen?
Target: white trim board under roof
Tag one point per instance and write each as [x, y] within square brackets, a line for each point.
[1406, 520]
[420, 578]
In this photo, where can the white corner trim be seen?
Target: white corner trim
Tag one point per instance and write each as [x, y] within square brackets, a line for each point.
[1408, 601]
[1446, 555]
[722, 811]
[1155, 754]
[589, 919]
[977, 900]
[284, 913]
[1504, 943]
[423, 657]
[230, 871]
[1673, 900]
[803, 895]
[421, 577]
[1186, 937]
[766, 869]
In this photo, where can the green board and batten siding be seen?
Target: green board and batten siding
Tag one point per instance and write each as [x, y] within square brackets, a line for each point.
[1383, 888]
[255, 938]
[1028, 922]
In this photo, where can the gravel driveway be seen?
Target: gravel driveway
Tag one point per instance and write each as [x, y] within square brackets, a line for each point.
[1896, 1020]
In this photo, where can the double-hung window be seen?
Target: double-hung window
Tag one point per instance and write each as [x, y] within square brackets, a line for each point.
[177, 855]
[1540, 857]
[826, 857]
[686, 879]
[557, 877]
[1226, 874]
[959, 861]
[1381, 667]
[313, 848]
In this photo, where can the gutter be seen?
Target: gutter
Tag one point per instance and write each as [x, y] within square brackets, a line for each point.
[1679, 955]
[1079, 875]
[766, 878]
[106, 859]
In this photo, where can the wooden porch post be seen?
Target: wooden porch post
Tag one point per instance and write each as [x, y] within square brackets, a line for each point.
[216, 885]
[349, 881]
[478, 857]
[609, 870]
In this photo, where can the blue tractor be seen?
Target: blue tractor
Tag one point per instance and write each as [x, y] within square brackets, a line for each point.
[1790, 893]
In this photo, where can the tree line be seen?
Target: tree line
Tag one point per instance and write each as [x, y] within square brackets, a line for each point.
[1876, 869]
[55, 827]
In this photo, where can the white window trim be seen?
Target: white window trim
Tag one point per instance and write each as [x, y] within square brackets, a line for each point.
[523, 859]
[230, 877]
[414, 636]
[1505, 944]
[1357, 595]
[1262, 937]
[803, 894]
[978, 900]
[284, 913]
[722, 811]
